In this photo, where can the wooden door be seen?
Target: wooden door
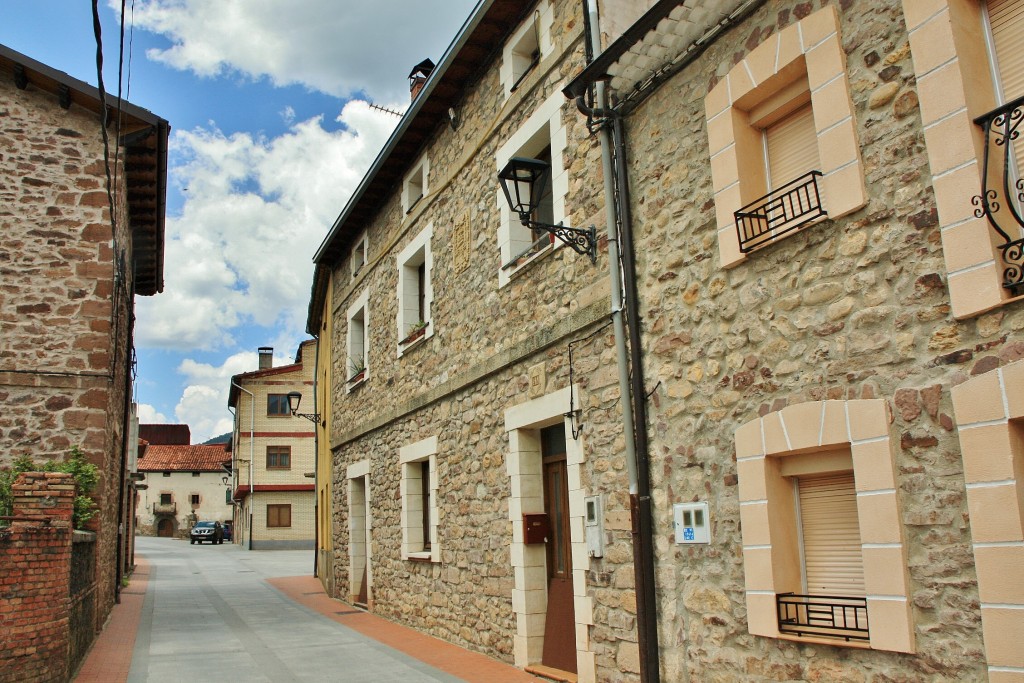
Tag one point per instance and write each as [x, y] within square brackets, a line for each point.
[165, 528]
[560, 622]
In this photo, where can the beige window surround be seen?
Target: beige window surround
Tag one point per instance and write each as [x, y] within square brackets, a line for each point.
[990, 420]
[768, 84]
[815, 438]
[954, 86]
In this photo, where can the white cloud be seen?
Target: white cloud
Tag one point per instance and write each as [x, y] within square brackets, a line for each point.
[256, 210]
[337, 48]
[148, 415]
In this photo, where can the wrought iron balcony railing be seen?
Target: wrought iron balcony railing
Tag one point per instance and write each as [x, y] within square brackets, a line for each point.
[781, 211]
[165, 508]
[832, 616]
[1003, 204]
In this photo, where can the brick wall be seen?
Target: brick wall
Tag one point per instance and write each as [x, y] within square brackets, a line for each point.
[35, 556]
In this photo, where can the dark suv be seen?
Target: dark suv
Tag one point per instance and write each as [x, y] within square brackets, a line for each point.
[206, 531]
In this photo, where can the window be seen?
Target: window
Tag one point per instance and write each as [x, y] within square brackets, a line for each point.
[525, 49]
[194, 499]
[358, 343]
[359, 255]
[279, 457]
[542, 136]
[195, 474]
[415, 293]
[227, 496]
[167, 474]
[166, 498]
[279, 515]
[415, 185]
[277, 404]
[783, 139]
[823, 551]
[418, 490]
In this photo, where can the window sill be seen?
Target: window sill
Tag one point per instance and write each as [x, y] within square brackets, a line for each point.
[818, 640]
[357, 381]
[420, 557]
[405, 346]
[524, 262]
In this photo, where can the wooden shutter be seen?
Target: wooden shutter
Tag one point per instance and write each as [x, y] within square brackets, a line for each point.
[831, 535]
[791, 146]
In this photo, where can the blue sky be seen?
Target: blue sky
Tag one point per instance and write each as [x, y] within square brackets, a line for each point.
[271, 132]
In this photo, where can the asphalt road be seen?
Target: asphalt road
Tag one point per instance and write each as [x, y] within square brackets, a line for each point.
[209, 615]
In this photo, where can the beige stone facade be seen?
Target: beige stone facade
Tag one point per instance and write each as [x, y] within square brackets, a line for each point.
[273, 455]
[872, 343]
[184, 485]
[70, 273]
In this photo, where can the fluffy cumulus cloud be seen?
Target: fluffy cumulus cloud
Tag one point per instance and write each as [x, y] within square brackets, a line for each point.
[148, 415]
[339, 48]
[256, 209]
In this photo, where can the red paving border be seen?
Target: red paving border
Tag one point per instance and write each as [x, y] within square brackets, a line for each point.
[472, 667]
[110, 658]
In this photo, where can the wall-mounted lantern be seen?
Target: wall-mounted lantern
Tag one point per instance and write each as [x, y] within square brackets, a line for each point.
[294, 399]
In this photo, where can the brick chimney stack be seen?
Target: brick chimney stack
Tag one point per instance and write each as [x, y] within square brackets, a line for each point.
[418, 76]
[266, 357]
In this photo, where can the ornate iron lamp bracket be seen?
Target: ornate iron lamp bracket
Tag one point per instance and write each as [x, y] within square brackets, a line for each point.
[1001, 205]
[582, 241]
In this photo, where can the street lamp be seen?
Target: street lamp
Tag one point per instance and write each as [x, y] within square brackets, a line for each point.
[294, 398]
[522, 181]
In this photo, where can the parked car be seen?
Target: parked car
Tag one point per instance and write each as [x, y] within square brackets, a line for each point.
[227, 531]
[206, 531]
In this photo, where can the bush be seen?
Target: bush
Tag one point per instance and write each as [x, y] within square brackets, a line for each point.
[85, 473]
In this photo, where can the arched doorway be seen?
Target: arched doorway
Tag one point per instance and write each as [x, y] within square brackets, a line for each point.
[165, 528]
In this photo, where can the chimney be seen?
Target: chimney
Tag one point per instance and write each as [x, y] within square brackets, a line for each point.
[266, 357]
[418, 76]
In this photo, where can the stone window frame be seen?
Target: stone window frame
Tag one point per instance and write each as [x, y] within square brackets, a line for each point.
[359, 512]
[770, 551]
[512, 71]
[361, 304]
[415, 185]
[523, 463]
[195, 499]
[811, 48]
[409, 491]
[403, 322]
[359, 255]
[949, 51]
[989, 412]
[529, 139]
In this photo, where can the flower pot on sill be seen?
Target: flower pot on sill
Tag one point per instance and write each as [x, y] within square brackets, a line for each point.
[358, 377]
[413, 336]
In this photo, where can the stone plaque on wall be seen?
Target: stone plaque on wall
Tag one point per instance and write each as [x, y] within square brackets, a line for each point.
[538, 380]
[461, 242]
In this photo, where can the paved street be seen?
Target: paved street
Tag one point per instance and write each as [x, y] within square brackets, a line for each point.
[209, 614]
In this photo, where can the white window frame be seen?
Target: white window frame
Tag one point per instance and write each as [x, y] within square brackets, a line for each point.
[359, 254]
[416, 252]
[515, 56]
[415, 185]
[409, 458]
[543, 127]
[357, 343]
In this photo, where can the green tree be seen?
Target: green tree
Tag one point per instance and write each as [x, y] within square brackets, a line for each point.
[85, 473]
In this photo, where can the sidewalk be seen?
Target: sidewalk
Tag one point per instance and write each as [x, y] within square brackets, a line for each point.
[110, 659]
[457, 661]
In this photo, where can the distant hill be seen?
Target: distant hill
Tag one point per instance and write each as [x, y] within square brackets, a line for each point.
[223, 438]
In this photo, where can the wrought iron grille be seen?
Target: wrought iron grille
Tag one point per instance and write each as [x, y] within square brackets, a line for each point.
[781, 211]
[1002, 205]
[833, 616]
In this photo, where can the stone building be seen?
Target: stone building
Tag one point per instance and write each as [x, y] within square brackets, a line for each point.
[82, 218]
[472, 374]
[831, 334]
[184, 485]
[273, 455]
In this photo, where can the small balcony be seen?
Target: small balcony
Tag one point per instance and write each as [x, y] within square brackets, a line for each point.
[165, 508]
[1001, 200]
[780, 212]
[829, 616]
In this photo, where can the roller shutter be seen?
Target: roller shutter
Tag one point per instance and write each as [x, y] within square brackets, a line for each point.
[792, 147]
[831, 535]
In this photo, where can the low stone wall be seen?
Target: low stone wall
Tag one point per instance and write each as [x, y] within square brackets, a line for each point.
[35, 558]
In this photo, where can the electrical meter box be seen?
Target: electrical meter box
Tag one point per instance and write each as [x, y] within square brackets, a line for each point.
[593, 523]
[692, 523]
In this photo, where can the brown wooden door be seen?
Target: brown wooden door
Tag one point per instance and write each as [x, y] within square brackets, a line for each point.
[165, 528]
[560, 622]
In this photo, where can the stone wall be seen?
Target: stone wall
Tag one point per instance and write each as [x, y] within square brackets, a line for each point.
[851, 308]
[35, 559]
[67, 302]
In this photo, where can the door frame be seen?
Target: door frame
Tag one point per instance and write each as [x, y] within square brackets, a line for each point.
[523, 463]
[360, 526]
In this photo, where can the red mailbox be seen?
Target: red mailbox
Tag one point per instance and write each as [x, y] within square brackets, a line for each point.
[535, 527]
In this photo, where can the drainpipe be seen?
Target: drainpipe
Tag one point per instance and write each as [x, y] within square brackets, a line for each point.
[316, 462]
[252, 446]
[634, 418]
